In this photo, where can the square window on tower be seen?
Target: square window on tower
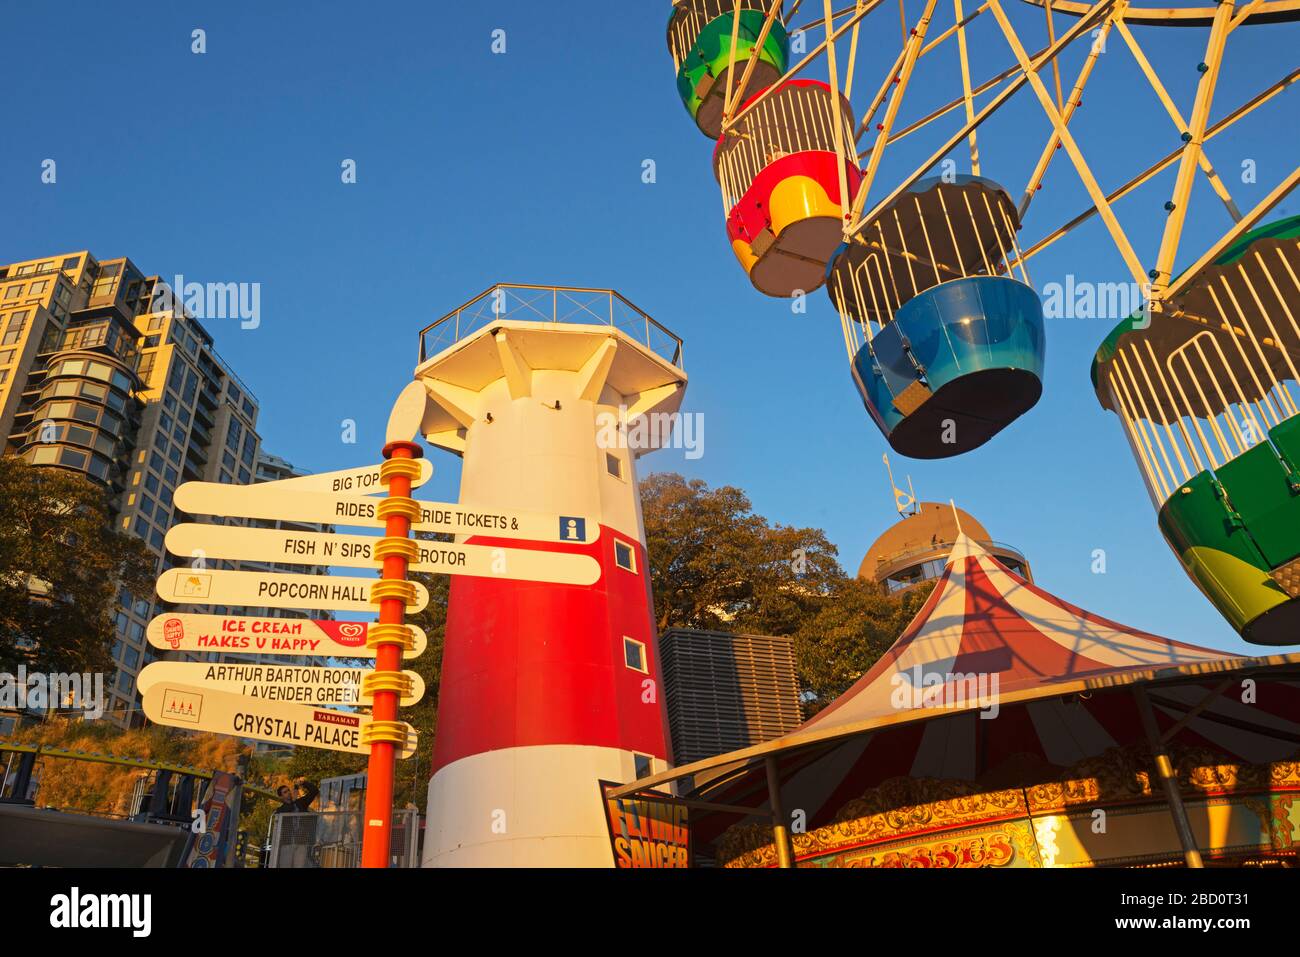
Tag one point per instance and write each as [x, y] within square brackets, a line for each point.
[624, 556]
[613, 466]
[634, 654]
[644, 765]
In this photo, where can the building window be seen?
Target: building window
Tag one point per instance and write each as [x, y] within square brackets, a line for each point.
[613, 466]
[624, 555]
[643, 764]
[634, 655]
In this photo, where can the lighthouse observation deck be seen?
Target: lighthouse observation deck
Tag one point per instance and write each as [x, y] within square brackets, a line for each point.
[559, 304]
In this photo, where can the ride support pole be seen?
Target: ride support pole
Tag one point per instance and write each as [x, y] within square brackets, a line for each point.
[1168, 779]
[780, 831]
[385, 734]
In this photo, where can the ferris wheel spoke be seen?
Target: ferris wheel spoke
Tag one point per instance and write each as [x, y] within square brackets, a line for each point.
[1245, 13]
[1021, 75]
[837, 123]
[1259, 11]
[1174, 114]
[732, 101]
[1072, 104]
[952, 105]
[866, 8]
[967, 96]
[1191, 151]
[911, 51]
[1051, 38]
[1164, 163]
[1118, 236]
[1241, 227]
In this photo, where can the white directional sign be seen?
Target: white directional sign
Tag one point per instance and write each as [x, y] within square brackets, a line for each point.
[189, 586]
[201, 709]
[269, 636]
[357, 551]
[364, 480]
[271, 501]
[298, 684]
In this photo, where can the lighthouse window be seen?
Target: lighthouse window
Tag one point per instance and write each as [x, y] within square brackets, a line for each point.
[624, 557]
[613, 465]
[634, 654]
[644, 765]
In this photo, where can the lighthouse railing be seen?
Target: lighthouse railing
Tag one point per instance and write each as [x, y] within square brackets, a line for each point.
[558, 304]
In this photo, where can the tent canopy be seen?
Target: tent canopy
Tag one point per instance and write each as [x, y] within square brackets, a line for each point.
[997, 676]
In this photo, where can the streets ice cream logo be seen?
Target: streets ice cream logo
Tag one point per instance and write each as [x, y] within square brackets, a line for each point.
[182, 705]
[352, 634]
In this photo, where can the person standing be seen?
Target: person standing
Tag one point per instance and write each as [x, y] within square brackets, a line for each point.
[297, 832]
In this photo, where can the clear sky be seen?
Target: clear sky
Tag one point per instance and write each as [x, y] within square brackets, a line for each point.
[475, 167]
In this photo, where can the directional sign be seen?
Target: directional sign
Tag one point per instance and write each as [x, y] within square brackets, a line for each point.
[200, 709]
[364, 480]
[269, 636]
[270, 501]
[298, 684]
[190, 586]
[408, 413]
[357, 551]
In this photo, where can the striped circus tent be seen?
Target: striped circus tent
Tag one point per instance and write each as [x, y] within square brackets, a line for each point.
[996, 680]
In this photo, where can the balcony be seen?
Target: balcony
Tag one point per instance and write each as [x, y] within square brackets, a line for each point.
[891, 565]
[566, 304]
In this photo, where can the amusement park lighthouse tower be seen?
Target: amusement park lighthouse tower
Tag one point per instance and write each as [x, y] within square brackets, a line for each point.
[546, 688]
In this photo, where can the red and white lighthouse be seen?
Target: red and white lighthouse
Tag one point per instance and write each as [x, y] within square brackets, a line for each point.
[547, 688]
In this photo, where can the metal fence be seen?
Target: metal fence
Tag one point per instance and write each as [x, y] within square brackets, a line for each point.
[559, 304]
[330, 839]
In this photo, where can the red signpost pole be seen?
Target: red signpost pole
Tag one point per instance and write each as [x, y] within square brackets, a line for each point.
[390, 637]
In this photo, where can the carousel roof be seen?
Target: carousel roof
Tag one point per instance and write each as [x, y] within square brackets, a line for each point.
[983, 620]
[990, 645]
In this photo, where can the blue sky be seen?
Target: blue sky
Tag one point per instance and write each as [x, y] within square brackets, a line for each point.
[475, 167]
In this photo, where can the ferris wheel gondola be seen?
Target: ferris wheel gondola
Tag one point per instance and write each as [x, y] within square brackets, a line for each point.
[1207, 393]
[708, 39]
[943, 331]
[781, 181]
[952, 345]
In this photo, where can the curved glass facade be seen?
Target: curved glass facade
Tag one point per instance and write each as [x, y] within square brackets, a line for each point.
[84, 413]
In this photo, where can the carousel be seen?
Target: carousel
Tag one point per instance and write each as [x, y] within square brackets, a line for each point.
[1009, 728]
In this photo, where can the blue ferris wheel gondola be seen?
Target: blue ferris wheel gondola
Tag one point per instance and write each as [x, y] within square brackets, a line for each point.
[946, 345]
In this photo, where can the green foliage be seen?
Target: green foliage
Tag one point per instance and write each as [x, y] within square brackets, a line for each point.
[716, 565]
[58, 543]
[848, 634]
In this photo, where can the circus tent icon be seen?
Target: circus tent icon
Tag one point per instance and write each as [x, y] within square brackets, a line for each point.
[998, 727]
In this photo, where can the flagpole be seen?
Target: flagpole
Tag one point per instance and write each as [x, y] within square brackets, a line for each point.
[389, 637]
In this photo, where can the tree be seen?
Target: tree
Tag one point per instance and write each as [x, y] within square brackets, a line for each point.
[62, 566]
[837, 645]
[716, 565]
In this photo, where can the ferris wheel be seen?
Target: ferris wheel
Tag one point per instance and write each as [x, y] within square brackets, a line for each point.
[817, 125]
